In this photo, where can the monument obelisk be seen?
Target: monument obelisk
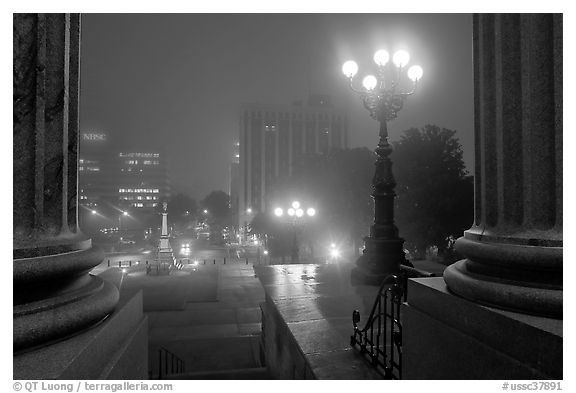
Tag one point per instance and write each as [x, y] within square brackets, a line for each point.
[165, 259]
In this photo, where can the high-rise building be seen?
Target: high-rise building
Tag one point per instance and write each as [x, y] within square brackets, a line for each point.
[234, 190]
[141, 178]
[274, 137]
[95, 164]
[123, 177]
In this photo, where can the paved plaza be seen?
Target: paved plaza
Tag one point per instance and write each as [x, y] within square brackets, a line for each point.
[207, 314]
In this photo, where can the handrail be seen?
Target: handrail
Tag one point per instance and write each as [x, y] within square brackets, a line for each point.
[385, 350]
[172, 364]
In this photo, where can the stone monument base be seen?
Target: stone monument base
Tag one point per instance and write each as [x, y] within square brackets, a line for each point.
[163, 263]
[117, 348]
[448, 337]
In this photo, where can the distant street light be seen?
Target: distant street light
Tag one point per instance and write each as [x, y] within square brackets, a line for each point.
[295, 214]
[124, 213]
[94, 212]
[245, 227]
[383, 252]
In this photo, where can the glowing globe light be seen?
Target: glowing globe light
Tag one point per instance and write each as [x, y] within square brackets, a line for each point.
[278, 212]
[401, 58]
[381, 57]
[125, 213]
[369, 82]
[94, 212]
[249, 211]
[299, 212]
[350, 68]
[415, 73]
[311, 211]
[291, 212]
[295, 204]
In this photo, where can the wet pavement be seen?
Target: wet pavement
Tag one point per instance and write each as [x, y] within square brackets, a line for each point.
[209, 315]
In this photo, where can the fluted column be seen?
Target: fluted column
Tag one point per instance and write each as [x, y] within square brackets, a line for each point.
[514, 248]
[54, 296]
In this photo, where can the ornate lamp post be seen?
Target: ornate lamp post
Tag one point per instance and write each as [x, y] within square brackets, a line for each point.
[382, 97]
[295, 213]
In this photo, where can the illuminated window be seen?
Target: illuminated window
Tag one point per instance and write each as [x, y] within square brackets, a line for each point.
[155, 191]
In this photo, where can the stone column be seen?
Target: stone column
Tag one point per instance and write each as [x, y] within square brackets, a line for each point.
[54, 296]
[514, 248]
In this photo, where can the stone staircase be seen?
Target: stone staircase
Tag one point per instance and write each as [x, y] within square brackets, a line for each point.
[259, 373]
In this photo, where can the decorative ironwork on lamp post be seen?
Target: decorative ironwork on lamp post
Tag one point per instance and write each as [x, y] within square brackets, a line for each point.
[383, 98]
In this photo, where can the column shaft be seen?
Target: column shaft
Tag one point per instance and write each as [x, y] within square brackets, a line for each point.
[54, 296]
[514, 248]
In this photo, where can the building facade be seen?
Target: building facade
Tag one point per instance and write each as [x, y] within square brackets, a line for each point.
[272, 140]
[141, 179]
[125, 178]
[234, 188]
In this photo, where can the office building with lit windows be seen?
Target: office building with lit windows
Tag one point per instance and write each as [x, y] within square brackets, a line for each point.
[122, 177]
[95, 164]
[274, 137]
[141, 179]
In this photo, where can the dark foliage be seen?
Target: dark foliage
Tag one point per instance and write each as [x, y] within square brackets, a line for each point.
[435, 194]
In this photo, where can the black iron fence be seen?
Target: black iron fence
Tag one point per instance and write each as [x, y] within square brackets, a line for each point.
[380, 340]
[169, 364]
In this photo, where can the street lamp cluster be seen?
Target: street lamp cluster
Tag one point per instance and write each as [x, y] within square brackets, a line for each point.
[296, 212]
[382, 97]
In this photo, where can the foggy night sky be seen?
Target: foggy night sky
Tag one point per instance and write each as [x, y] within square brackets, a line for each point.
[178, 80]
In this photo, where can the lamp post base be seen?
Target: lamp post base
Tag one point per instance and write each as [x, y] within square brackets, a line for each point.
[381, 257]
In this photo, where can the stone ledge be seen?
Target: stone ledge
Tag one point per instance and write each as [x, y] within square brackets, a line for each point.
[448, 337]
[307, 322]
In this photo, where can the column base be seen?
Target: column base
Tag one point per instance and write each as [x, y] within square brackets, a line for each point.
[115, 349]
[504, 273]
[501, 293]
[55, 297]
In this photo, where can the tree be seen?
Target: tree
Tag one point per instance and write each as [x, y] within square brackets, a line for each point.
[218, 205]
[435, 193]
[182, 210]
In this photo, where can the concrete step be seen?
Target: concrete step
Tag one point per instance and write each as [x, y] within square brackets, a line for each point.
[236, 374]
